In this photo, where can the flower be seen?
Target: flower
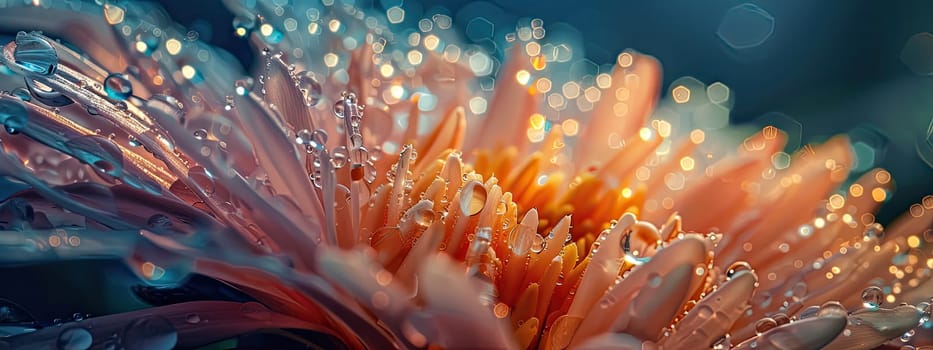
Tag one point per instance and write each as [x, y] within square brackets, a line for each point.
[432, 216]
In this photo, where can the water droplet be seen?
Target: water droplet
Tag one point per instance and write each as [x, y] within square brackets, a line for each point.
[521, 239]
[21, 93]
[538, 244]
[150, 333]
[200, 134]
[13, 116]
[723, 343]
[118, 86]
[424, 218]
[832, 308]
[781, 318]
[35, 54]
[736, 267]
[75, 338]
[872, 297]
[193, 318]
[310, 88]
[77, 316]
[926, 308]
[472, 198]
[908, 335]
[765, 324]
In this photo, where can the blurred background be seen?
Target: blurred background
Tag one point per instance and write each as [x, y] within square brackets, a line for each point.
[818, 68]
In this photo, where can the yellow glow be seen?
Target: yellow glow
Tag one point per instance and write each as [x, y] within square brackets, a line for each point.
[241, 32]
[855, 190]
[625, 59]
[431, 42]
[266, 29]
[604, 81]
[878, 194]
[331, 59]
[538, 62]
[141, 47]
[681, 94]
[397, 91]
[113, 14]
[415, 57]
[537, 121]
[664, 128]
[386, 70]
[883, 176]
[533, 48]
[836, 201]
[522, 77]
[333, 25]
[913, 241]
[188, 72]
[687, 163]
[173, 46]
[570, 126]
[697, 136]
[627, 192]
[819, 223]
[645, 134]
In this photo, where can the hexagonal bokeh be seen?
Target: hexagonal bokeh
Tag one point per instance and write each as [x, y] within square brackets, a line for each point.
[869, 145]
[745, 26]
[790, 126]
[918, 54]
[479, 28]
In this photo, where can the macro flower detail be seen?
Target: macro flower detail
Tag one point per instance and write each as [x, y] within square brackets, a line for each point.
[370, 189]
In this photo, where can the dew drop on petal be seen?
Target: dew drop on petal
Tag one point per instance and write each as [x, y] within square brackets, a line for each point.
[472, 198]
[832, 308]
[117, 86]
[310, 88]
[75, 338]
[737, 267]
[765, 324]
[872, 297]
[35, 54]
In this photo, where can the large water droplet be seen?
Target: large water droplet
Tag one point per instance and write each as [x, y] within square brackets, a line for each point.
[75, 338]
[150, 333]
[117, 86]
[310, 88]
[165, 105]
[538, 244]
[472, 198]
[832, 308]
[908, 335]
[193, 318]
[872, 297]
[521, 238]
[810, 311]
[736, 267]
[200, 134]
[22, 93]
[765, 324]
[35, 54]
